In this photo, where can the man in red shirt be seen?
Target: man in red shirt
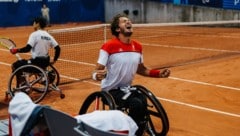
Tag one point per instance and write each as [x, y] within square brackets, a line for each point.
[119, 60]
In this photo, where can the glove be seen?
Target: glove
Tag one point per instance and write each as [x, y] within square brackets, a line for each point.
[14, 50]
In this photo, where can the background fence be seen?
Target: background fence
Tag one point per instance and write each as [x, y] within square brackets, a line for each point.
[21, 12]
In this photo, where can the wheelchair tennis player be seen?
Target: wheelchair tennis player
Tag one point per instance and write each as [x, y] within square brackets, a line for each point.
[119, 60]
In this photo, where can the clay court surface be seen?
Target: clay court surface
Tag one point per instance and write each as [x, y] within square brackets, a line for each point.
[202, 95]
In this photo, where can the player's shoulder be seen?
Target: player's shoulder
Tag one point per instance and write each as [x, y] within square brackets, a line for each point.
[136, 42]
[112, 41]
[137, 45]
[111, 45]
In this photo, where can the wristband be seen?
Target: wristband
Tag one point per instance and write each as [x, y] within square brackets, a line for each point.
[94, 76]
[14, 50]
[154, 73]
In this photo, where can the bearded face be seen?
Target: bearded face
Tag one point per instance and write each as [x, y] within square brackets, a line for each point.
[125, 27]
[127, 32]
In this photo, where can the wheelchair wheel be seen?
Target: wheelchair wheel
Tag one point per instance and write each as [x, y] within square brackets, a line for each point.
[156, 114]
[99, 100]
[31, 79]
[53, 75]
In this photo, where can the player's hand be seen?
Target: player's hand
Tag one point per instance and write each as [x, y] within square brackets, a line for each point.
[164, 73]
[13, 50]
[99, 75]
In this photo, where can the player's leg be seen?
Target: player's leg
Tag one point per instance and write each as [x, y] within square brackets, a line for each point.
[16, 65]
[134, 104]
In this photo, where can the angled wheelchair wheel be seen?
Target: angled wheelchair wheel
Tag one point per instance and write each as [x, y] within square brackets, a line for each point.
[53, 75]
[99, 100]
[30, 79]
[158, 124]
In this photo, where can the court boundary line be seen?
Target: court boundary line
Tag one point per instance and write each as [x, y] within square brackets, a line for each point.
[190, 48]
[200, 107]
[3, 63]
[204, 83]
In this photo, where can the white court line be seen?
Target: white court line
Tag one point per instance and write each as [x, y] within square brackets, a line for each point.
[77, 62]
[6, 64]
[190, 48]
[4, 50]
[204, 83]
[199, 107]
[68, 77]
[93, 83]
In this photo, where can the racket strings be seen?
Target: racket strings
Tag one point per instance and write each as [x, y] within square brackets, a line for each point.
[8, 43]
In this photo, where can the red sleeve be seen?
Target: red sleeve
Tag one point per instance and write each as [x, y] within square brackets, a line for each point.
[116, 46]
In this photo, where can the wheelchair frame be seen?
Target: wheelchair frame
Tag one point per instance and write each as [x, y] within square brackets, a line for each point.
[37, 82]
[155, 110]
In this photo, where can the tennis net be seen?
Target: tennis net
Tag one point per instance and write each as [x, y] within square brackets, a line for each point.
[168, 44]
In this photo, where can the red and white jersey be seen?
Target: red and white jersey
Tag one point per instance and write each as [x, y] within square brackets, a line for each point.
[121, 61]
[41, 41]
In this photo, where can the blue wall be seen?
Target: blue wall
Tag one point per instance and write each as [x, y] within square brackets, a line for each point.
[225, 4]
[231, 4]
[207, 3]
[22, 12]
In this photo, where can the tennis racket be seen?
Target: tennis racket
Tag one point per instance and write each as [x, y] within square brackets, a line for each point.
[9, 44]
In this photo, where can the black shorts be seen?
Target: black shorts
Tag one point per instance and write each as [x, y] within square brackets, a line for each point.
[42, 62]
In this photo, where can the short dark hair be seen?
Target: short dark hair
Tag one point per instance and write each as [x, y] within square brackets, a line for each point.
[115, 23]
[42, 21]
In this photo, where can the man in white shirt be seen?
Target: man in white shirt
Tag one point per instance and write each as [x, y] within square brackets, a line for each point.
[39, 43]
[119, 60]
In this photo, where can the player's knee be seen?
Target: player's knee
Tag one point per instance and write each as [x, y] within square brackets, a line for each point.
[137, 108]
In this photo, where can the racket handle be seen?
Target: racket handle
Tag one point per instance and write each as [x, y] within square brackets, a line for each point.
[18, 56]
[11, 47]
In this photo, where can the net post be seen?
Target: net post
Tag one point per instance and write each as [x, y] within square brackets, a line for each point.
[105, 33]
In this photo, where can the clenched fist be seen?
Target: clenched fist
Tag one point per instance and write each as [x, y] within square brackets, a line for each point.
[14, 50]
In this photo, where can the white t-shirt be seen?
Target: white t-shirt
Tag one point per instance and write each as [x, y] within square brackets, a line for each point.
[41, 41]
[122, 61]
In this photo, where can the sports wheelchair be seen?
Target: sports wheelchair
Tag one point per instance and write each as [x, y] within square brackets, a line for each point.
[157, 120]
[35, 81]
